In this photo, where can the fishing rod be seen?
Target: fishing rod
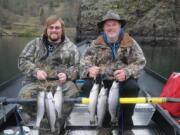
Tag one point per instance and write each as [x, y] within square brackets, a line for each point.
[84, 100]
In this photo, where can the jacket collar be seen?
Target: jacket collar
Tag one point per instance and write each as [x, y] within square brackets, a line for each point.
[125, 42]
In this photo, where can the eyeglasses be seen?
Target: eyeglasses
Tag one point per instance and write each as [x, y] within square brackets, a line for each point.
[54, 27]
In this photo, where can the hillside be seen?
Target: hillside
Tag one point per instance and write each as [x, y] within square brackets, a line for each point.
[28, 17]
[148, 21]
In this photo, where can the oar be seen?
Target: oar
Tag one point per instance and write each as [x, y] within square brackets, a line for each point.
[5, 101]
[83, 100]
[154, 100]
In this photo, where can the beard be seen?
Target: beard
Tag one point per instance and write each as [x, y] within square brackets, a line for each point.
[54, 37]
[113, 36]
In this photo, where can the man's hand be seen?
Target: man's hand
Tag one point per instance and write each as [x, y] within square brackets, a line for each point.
[41, 75]
[62, 77]
[94, 71]
[120, 75]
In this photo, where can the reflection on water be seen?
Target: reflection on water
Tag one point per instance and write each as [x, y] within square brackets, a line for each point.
[163, 60]
[10, 48]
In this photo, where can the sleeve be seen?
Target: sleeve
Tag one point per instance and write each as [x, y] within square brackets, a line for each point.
[136, 61]
[88, 60]
[72, 71]
[26, 60]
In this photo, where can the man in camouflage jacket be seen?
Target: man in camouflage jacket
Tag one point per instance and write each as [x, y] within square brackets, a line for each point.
[51, 56]
[114, 55]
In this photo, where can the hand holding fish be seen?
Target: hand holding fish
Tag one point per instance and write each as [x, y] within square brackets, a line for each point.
[94, 71]
[62, 77]
[120, 75]
[41, 75]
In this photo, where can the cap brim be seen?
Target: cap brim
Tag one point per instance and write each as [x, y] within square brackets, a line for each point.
[100, 24]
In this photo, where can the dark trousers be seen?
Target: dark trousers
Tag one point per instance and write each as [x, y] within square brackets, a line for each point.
[128, 88]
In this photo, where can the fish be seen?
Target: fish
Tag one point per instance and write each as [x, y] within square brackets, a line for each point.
[113, 99]
[115, 132]
[58, 101]
[33, 132]
[101, 106]
[93, 102]
[40, 108]
[50, 110]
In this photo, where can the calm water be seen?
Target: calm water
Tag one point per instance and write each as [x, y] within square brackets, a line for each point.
[10, 48]
[163, 60]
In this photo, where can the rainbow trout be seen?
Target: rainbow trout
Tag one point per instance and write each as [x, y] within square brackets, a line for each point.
[40, 108]
[50, 110]
[101, 106]
[58, 101]
[113, 101]
[93, 102]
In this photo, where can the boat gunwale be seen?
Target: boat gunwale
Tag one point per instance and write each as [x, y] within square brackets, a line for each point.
[158, 107]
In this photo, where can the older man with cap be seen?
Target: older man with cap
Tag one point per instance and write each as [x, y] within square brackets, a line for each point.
[115, 55]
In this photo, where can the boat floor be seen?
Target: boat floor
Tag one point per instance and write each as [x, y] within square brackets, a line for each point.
[78, 122]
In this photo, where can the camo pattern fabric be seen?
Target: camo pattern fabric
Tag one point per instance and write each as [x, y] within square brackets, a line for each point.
[65, 58]
[130, 57]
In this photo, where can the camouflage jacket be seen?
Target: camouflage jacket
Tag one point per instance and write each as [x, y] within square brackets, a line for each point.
[65, 58]
[129, 57]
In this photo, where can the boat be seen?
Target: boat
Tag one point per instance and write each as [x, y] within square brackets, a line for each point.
[149, 119]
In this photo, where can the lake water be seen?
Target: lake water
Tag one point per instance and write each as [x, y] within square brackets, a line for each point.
[10, 48]
[163, 60]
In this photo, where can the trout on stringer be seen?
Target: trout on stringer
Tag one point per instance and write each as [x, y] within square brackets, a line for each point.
[50, 110]
[40, 108]
[58, 101]
[101, 106]
[93, 102]
[113, 101]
